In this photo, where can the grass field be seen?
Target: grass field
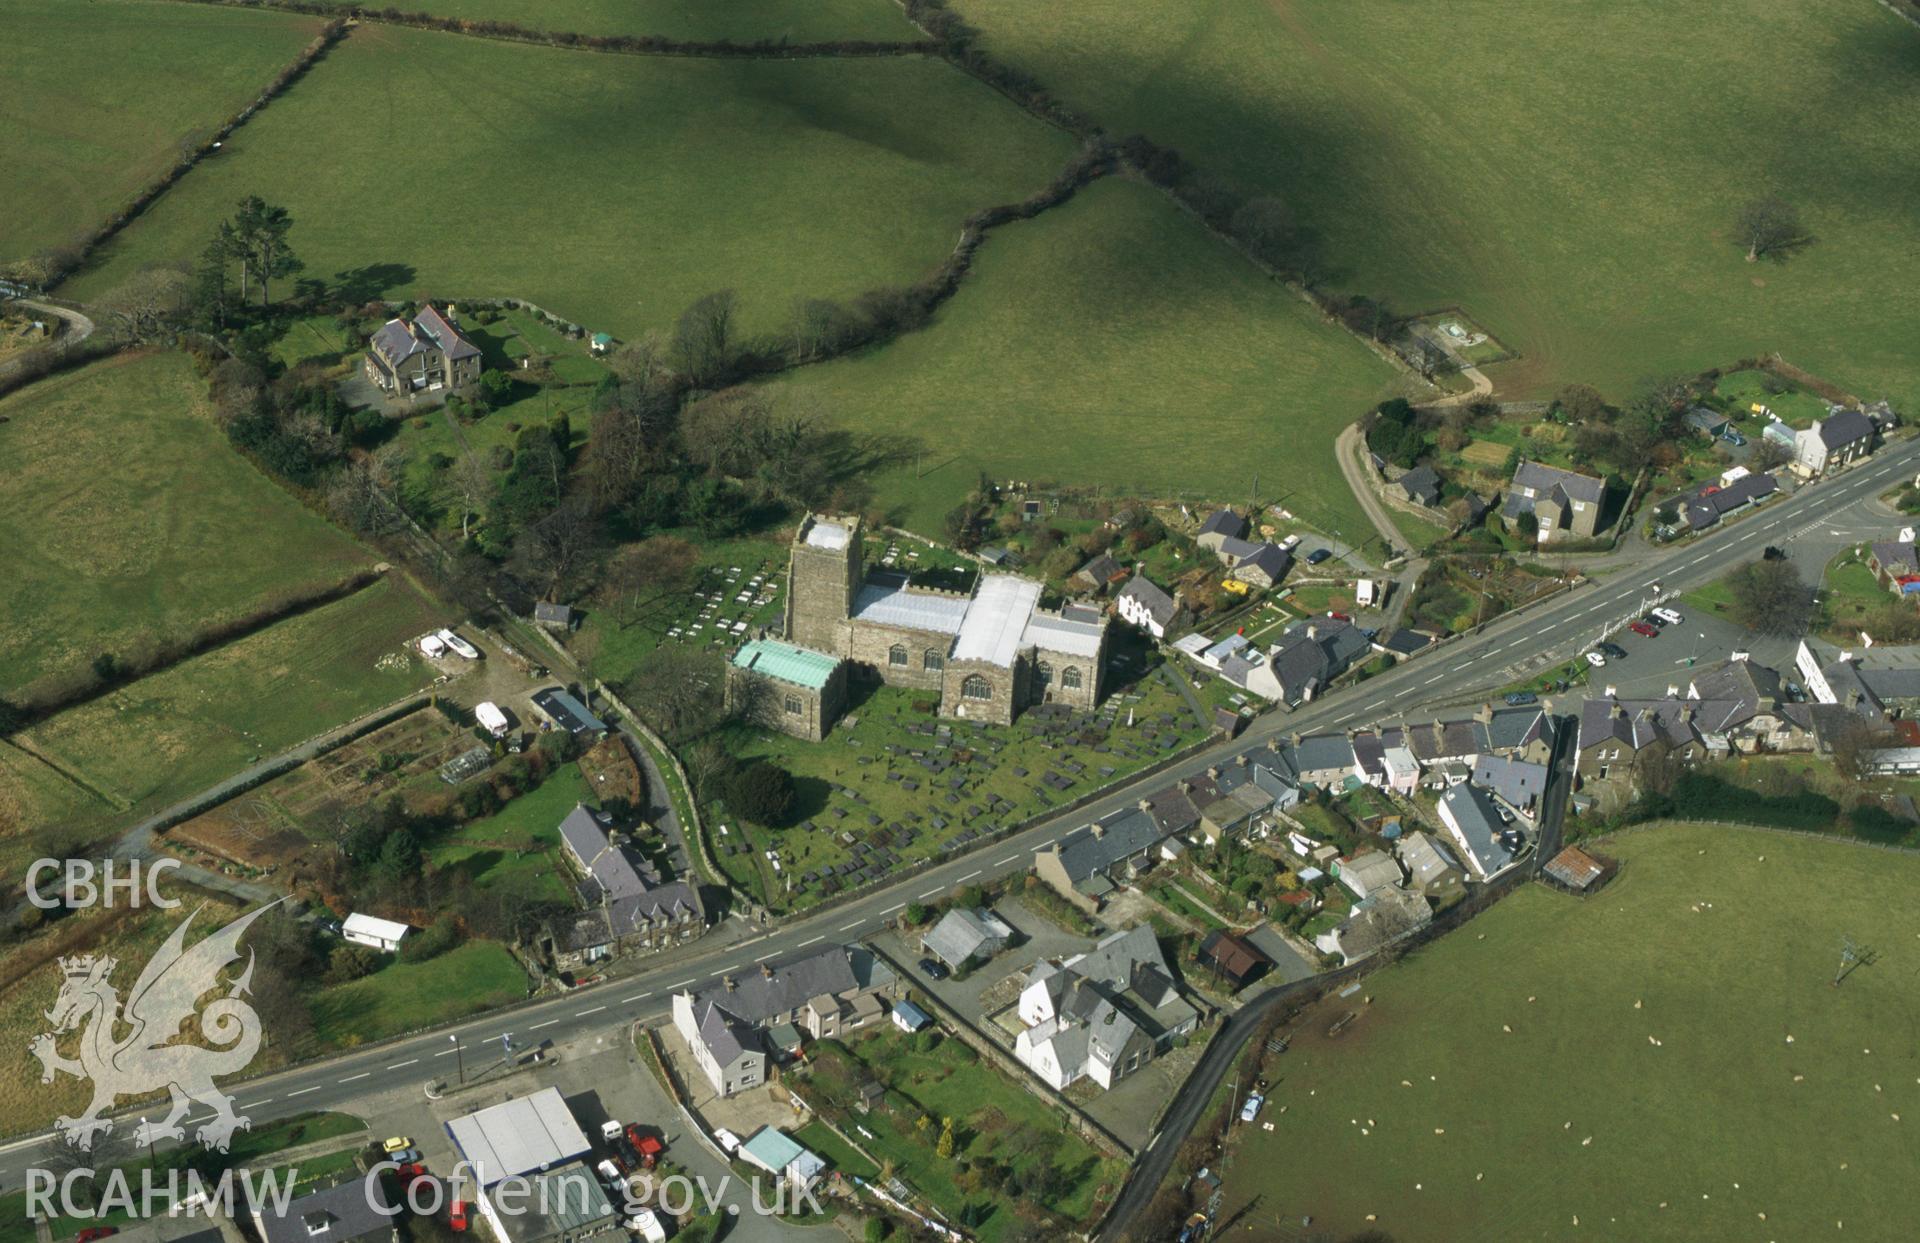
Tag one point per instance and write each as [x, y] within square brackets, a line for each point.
[403, 996]
[1111, 341]
[128, 519]
[1568, 174]
[180, 731]
[99, 97]
[797, 21]
[1719, 945]
[517, 844]
[704, 175]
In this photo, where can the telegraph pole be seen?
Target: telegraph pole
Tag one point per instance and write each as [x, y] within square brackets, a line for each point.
[459, 1058]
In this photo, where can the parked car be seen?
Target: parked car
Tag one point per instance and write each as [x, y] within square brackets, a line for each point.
[1338, 616]
[616, 1181]
[933, 969]
[1773, 553]
[1669, 616]
[1520, 699]
[457, 645]
[1733, 438]
[398, 1143]
[1318, 555]
[95, 1232]
[1643, 629]
[457, 1215]
[1596, 659]
[1651, 620]
[1290, 543]
[1251, 1110]
[1614, 651]
[625, 1154]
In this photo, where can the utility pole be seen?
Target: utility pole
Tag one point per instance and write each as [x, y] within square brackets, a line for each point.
[459, 1058]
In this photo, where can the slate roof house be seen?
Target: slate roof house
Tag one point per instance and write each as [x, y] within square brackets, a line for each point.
[1879, 682]
[1367, 872]
[838, 989]
[1895, 564]
[1565, 505]
[1475, 825]
[1430, 869]
[1306, 658]
[1089, 863]
[628, 906]
[1421, 485]
[342, 1213]
[1265, 566]
[1101, 1015]
[1712, 502]
[1844, 436]
[1374, 922]
[1221, 525]
[427, 354]
[1098, 574]
[1233, 958]
[1516, 783]
[1144, 605]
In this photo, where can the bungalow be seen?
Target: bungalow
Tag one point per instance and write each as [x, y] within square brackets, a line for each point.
[1375, 922]
[1712, 502]
[1146, 606]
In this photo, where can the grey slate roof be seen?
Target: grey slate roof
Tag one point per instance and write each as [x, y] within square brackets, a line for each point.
[444, 334]
[958, 936]
[1479, 824]
[1237, 548]
[1317, 752]
[341, 1212]
[1403, 642]
[1421, 484]
[1268, 559]
[1100, 571]
[1896, 557]
[1158, 604]
[1844, 427]
[1517, 782]
[1224, 522]
[724, 1037]
[1085, 853]
[1544, 480]
[758, 996]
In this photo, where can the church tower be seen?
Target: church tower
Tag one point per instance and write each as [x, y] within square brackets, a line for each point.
[823, 573]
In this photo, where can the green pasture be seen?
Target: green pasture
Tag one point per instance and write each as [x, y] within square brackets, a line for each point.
[1569, 174]
[519, 843]
[163, 737]
[1112, 342]
[794, 21]
[129, 521]
[1629, 1065]
[614, 190]
[101, 97]
[405, 996]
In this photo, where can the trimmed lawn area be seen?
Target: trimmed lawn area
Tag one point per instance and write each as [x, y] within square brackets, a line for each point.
[1580, 202]
[881, 783]
[992, 1117]
[129, 522]
[1738, 392]
[1666, 1033]
[613, 190]
[1128, 347]
[795, 21]
[100, 97]
[403, 996]
[182, 730]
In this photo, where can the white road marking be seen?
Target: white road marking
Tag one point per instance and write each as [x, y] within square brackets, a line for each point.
[304, 1091]
[397, 1065]
[683, 983]
[255, 1104]
[850, 927]
[936, 889]
[584, 1013]
[809, 941]
[970, 875]
[1008, 859]
[637, 996]
[351, 1078]
[537, 1026]
[890, 910]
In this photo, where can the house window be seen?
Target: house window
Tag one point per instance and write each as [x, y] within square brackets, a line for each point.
[1045, 673]
[794, 706]
[897, 655]
[930, 659]
[1070, 677]
[976, 687]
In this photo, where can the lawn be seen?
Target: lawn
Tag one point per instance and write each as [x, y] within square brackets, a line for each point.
[100, 97]
[1849, 597]
[1738, 392]
[128, 521]
[877, 784]
[613, 190]
[1665, 1036]
[794, 21]
[407, 996]
[164, 737]
[1128, 349]
[1578, 202]
[992, 1116]
[517, 843]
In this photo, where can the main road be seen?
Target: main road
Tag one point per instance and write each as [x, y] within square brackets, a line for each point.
[1457, 669]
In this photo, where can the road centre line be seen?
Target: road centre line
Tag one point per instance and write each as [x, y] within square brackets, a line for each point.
[537, 1026]
[304, 1091]
[352, 1078]
[584, 1013]
[850, 927]
[397, 1065]
[809, 941]
[636, 996]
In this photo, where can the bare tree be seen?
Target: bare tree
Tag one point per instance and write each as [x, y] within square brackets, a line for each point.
[657, 566]
[1769, 455]
[679, 691]
[475, 484]
[361, 495]
[703, 342]
[148, 301]
[560, 548]
[641, 362]
[1768, 597]
[1854, 743]
[1770, 227]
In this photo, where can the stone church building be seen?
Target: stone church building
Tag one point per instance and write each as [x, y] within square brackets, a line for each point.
[988, 654]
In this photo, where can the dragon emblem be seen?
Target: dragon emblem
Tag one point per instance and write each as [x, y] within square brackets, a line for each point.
[156, 1053]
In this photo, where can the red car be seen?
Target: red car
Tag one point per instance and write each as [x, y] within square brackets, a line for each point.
[1641, 628]
[457, 1215]
[1338, 616]
[95, 1232]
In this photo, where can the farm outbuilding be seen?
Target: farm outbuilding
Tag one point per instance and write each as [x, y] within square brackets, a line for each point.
[380, 934]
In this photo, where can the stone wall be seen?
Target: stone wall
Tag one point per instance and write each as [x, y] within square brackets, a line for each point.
[1008, 685]
[869, 644]
[820, 587]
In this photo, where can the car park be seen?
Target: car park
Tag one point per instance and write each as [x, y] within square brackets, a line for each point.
[1669, 616]
[1613, 651]
[1596, 659]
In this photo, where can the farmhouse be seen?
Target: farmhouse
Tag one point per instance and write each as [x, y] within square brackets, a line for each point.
[1144, 605]
[1221, 525]
[628, 907]
[1564, 504]
[988, 654]
[1103, 1014]
[425, 354]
